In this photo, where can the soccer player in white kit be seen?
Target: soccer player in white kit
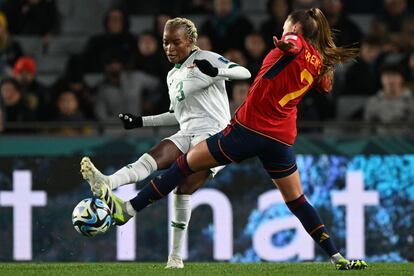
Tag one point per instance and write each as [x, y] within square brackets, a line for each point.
[199, 104]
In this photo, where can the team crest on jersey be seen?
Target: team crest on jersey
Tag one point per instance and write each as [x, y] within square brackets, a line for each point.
[224, 60]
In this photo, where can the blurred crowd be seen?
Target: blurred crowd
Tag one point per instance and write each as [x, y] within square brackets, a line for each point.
[377, 87]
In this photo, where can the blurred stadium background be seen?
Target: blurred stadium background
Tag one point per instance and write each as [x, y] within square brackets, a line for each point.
[68, 67]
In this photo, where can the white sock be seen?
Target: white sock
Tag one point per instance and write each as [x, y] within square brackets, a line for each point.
[134, 172]
[129, 209]
[179, 224]
[336, 257]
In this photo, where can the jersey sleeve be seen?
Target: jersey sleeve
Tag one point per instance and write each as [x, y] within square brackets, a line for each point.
[296, 42]
[227, 70]
[163, 119]
[215, 59]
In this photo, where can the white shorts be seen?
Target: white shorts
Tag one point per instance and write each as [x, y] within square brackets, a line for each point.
[185, 142]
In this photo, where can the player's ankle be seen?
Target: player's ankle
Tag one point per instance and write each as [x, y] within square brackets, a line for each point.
[336, 257]
[113, 185]
[129, 209]
[175, 255]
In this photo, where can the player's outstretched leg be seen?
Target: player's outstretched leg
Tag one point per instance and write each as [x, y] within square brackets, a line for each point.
[134, 172]
[93, 176]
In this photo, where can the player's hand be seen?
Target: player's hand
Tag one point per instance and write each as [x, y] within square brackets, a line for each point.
[130, 121]
[206, 67]
[283, 45]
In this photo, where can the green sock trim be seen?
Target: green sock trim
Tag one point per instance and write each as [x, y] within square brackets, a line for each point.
[178, 225]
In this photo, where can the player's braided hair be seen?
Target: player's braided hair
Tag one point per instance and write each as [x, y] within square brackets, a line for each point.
[187, 25]
[315, 28]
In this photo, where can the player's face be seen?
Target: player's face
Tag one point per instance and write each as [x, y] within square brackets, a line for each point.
[287, 27]
[176, 44]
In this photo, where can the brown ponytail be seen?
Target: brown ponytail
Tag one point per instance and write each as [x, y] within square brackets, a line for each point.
[316, 29]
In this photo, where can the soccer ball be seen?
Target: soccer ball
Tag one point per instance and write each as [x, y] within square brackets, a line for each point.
[91, 217]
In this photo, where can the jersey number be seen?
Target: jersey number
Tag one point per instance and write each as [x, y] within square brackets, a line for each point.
[307, 79]
[181, 96]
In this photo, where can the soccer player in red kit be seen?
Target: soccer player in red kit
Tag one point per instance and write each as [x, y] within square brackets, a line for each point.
[265, 125]
[283, 79]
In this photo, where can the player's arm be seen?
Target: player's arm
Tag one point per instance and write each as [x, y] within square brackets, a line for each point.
[207, 68]
[131, 121]
[232, 72]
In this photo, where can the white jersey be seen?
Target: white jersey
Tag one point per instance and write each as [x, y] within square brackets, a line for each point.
[199, 102]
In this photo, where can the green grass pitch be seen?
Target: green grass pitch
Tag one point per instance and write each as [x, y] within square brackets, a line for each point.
[214, 269]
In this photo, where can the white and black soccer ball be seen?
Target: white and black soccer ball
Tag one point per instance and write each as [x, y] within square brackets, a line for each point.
[91, 217]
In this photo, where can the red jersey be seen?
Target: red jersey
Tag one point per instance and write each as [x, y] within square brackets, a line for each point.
[284, 78]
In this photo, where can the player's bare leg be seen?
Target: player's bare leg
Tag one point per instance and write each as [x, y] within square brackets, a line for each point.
[199, 158]
[291, 190]
[182, 215]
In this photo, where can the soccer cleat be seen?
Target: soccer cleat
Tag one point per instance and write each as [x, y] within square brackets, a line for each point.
[342, 264]
[116, 205]
[93, 176]
[357, 264]
[174, 262]
[100, 187]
